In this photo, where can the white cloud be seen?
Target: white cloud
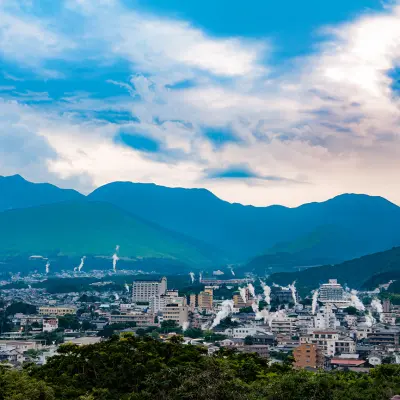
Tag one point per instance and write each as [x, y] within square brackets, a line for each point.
[332, 121]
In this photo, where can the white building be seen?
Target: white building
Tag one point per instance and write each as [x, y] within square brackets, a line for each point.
[242, 332]
[50, 324]
[157, 303]
[332, 292]
[145, 290]
[330, 342]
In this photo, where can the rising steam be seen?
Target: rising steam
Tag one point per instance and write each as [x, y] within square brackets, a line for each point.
[267, 292]
[251, 289]
[81, 264]
[314, 301]
[47, 267]
[191, 276]
[226, 310]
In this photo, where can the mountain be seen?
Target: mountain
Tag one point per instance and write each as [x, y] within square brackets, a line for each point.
[355, 273]
[344, 227]
[16, 192]
[93, 228]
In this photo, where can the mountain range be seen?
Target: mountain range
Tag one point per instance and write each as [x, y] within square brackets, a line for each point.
[192, 224]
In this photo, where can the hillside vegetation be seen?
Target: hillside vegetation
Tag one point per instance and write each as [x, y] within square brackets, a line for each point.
[83, 228]
[355, 273]
[131, 369]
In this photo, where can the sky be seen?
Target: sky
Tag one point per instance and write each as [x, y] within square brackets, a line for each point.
[261, 102]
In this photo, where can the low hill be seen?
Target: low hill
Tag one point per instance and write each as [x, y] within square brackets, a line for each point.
[355, 273]
[16, 192]
[93, 228]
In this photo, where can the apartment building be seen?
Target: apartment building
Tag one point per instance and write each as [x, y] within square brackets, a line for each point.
[57, 311]
[144, 290]
[331, 292]
[50, 324]
[284, 325]
[308, 356]
[158, 303]
[205, 300]
[330, 342]
[141, 319]
[176, 312]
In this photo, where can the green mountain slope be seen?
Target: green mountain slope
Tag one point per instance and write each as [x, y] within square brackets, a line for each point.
[82, 228]
[355, 273]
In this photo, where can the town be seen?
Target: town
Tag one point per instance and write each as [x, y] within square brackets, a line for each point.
[330, 328]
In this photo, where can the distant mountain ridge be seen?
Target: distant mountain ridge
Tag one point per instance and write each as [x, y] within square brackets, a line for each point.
[341, 228]
[16, 192]
[369, 222]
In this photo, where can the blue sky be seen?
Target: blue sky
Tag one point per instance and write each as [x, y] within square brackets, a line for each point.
[261, 102]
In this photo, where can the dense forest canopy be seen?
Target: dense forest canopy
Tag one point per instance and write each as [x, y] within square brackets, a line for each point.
[133, 368]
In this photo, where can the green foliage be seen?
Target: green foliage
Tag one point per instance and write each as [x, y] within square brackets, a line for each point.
[110, 329]
[248, 340]
[20, 307]
[69, 321]
[194, 333]
[246, 310]
[133, 368]
[351, 310]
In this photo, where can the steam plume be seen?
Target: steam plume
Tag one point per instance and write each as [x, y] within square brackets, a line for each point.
[47, 267]
[191, 276]
[356, 302]
[267, 292]
[232, 271]
[226, 310]
[377, 306]
[115, 259]
[251, 289]
[81, 264]
[200, 277]
[116, 296]
[127, 287]
[292, 288]
[185, 326]
[243, 294]
[315, 301]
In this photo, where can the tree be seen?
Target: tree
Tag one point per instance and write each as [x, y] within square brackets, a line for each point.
[88, 326]
[20, 308]
[69, 321]
[248, 340]
[194, 333]
[351, 310]
[140, 332]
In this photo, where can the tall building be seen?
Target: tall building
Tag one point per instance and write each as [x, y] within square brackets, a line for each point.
[308, 356]
[157, 303]
[205, 300]
[175, 312]
[331, 292]
[386, 306]
[145, 290]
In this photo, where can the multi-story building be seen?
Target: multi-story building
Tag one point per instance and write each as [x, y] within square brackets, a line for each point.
[385, 337]
[157, 303]
[284, 325]
[144, 290]
[331, 292]
[308, 356]
[205, 300]
[50, 324]
[330, 342]
[386, 306]
[57, 311]
[141, 319]
[284, 295]
[176, 312]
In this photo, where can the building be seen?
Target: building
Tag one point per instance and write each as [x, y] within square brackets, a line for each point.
[205, 300]
[265, 339]
[57, 311]
[176, 312]
[330, 342]
[284, 325]
[141, 319]
[331, 292]
[261, 350]
[386, 306]
[242, 332]
[284, 296]
[384, 337]
[158, 303]
[308, 356]
[50, 324]
[145, 290]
